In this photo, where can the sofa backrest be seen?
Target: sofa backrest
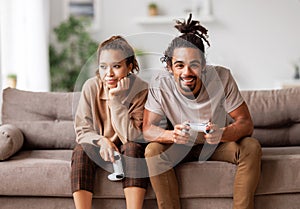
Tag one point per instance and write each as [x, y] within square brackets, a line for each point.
[45, 118]
[276, 116]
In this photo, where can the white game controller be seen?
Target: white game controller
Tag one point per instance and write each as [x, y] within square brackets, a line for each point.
[199, 127]
[118, 173]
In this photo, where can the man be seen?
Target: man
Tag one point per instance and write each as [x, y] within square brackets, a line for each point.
[193, 92]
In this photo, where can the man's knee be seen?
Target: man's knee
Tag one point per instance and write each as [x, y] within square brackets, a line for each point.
[154, 149]
[251, 146]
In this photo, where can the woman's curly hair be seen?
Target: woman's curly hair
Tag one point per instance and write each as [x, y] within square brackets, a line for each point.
[193, 35]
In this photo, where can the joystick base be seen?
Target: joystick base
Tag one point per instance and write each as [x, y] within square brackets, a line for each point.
[118, 173]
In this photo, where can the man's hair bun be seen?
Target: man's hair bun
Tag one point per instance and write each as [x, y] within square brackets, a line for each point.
[192, 27]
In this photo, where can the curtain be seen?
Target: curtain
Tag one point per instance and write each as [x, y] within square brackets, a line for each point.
[24, 43]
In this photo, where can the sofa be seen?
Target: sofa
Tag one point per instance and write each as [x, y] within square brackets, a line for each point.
[38, 135]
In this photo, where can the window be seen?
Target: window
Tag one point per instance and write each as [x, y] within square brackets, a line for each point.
[89, 9]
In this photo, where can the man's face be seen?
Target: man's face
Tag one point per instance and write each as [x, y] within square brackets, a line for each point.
[187, 67]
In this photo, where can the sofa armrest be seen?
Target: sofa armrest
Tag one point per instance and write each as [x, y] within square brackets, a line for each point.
[11, 141]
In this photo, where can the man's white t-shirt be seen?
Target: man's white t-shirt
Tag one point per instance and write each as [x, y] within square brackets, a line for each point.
[219, 95]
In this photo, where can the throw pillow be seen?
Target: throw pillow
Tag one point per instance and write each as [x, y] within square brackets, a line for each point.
[11, 140]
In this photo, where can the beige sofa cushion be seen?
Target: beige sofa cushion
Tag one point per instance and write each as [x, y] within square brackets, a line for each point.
[276, 116]
[47, 173]
[45, 118]
[37, 173]
[11, 141]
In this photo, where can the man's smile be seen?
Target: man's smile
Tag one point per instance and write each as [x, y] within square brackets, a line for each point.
[188, 79]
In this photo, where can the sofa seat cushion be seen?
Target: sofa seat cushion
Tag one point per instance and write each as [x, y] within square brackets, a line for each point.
[192, 177]
[47, 173]
[280, 175]
[280, 171]
[206, 179]
[36, 173]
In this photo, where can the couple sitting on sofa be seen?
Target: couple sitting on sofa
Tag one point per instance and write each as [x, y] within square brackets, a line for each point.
[117, 110]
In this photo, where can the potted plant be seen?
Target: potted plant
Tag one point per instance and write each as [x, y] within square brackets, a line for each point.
[11, 80]
[71, 52]
[152, 9]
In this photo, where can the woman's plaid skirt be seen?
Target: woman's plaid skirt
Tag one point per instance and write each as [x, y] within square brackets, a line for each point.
[86, 160]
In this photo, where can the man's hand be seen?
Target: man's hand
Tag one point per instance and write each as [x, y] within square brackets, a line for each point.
[214, 137]
[107, 149]
[180, 134]
[122, 87]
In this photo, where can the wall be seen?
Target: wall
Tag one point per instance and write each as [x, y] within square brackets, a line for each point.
[258, 40]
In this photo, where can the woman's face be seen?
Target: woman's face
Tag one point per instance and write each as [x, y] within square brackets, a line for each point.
[112, 67]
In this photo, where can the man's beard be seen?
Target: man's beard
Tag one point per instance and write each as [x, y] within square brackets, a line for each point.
[188, 88]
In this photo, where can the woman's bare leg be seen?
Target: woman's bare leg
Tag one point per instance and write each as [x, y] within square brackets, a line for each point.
[83, 199]
[134, 197]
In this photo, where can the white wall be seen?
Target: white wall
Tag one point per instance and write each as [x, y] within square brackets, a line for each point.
[258, 40]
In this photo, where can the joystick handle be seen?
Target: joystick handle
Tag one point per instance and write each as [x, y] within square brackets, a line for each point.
[118, 173]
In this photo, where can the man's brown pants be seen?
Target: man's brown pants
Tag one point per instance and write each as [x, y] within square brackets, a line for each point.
[161, 159]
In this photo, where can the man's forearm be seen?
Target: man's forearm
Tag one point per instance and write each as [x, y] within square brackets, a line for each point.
[156, 134]
[237, 130]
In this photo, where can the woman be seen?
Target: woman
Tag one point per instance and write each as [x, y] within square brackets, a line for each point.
[109, 118]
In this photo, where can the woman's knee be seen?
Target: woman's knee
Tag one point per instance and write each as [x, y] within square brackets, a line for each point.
[78, 153]
[135, 182]
[134, 164]
[133, 149]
